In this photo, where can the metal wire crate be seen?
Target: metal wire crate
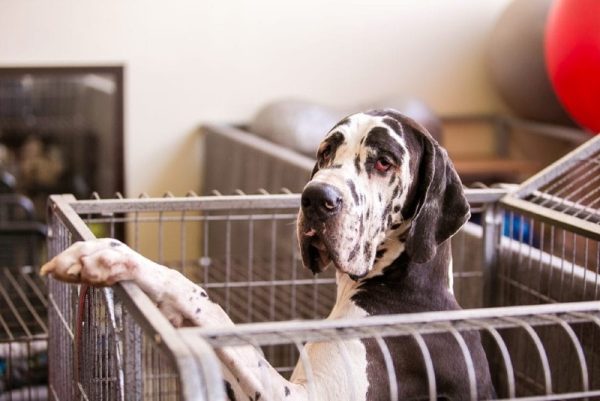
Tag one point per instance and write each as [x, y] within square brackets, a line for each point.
[527, 263]
[23, 335]
[22, 238]
[554, 254]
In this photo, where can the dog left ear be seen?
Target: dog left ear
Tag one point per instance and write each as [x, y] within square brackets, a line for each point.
[443, 208]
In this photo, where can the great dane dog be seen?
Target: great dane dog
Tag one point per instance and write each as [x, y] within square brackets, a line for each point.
[381, 206]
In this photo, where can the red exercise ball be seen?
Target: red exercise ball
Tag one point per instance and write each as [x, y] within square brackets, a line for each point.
[572, 48]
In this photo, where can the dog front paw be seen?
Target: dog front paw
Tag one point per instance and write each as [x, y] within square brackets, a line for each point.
[101, 262]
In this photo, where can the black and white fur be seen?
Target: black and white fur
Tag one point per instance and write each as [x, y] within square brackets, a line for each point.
[381, 206]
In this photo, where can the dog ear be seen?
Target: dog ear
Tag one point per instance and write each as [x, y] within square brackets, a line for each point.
[314, 170]
[442, 208]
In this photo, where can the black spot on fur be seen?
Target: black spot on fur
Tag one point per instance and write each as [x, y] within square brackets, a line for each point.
[357, 164]
[383, 143]
[354, 251]
[194, 290]
[327, 150]
[388, 210]
[198, 310]
[392, 179]
[368, 251]
[256, 396]
[395, 226]
[229, 391]
[287, 391]
[333, 142]
[389, 220]
[353, 191]
[115, 244]
[203, 294]
[396, 208]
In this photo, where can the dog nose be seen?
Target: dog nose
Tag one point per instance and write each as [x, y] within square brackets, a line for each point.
[321, 200]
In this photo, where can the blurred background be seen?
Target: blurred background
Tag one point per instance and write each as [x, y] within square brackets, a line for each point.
[123, 97]
[188, 62]
[132, 97]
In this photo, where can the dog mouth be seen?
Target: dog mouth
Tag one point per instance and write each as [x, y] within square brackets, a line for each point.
[315, 252]
[320, 250]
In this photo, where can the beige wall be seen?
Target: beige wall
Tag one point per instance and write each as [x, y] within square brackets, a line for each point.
[193, 61]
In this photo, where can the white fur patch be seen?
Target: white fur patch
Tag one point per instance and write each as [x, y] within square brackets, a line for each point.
[339, 368]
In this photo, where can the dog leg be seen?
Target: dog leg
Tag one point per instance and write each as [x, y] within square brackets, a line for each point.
[104, 262]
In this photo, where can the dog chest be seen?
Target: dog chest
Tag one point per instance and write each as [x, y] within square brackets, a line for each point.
[338, 370]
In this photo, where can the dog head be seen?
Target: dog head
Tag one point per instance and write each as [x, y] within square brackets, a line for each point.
[380, 180]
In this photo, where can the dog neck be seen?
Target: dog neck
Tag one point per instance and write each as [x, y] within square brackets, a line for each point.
[398, 286]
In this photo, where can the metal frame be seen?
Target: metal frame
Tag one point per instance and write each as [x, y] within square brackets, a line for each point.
[190, 351]
[554, 209]
[145, 317]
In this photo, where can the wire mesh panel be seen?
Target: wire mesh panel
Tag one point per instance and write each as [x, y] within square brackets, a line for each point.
[554, 254]
[252, 162]
[23, 335]
[542, 262]
[105, 343]
[243, 250]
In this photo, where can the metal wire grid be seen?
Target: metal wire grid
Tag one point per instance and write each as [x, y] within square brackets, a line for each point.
[568, 190]
[539, 263]
[23, 335]
[577, 192]
[244, 261]
[111, 357]
[542, 262]
[257, 278]
[252, 162]
[116, 357]
[247, 255]
[554, 254]
[111, 344]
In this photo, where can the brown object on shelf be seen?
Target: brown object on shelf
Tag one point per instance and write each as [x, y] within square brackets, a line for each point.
[500, 169]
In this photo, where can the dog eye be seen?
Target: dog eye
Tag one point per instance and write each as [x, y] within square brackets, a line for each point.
[324, 155]
[382, 165]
